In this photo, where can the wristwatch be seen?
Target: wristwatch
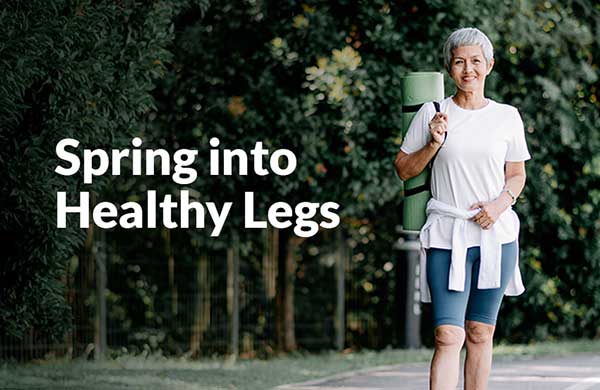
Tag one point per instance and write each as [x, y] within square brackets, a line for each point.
[512, 195]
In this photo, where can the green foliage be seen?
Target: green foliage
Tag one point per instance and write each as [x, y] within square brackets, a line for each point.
[547, 69]
[70, 69]
[319, 78]
[323, 79]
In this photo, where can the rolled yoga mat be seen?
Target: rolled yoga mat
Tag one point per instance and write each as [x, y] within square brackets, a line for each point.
[418, 88]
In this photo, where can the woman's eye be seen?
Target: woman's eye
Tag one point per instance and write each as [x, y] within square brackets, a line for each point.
[476, 61]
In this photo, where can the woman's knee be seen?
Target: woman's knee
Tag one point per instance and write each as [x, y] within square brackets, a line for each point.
[479, 332]
[449, 336]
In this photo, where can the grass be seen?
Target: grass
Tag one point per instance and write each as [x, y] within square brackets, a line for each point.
[157, 372]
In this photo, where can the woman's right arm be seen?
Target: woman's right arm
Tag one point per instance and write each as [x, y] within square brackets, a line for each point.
[409, 165]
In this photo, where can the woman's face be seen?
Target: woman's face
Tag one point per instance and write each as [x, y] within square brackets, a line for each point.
[469, 68]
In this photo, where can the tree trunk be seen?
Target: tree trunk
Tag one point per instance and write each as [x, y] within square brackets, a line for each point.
[171, 266]
[84, 285]
[269, 275]
[233, 296]
[202, 309]
[100, 331]
[269, 268]
[70, 298]
[340, 314]
[287, 265]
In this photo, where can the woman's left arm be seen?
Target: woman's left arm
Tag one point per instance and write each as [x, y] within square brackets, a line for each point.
[515, 176]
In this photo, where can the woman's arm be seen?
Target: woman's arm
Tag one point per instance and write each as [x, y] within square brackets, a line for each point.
[410, 165]
[515, 176]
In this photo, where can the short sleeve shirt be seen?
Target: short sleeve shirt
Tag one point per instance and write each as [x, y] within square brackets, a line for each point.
[469, 167]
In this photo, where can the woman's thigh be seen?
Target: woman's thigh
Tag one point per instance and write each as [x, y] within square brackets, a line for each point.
[449, 307]
[484, 304]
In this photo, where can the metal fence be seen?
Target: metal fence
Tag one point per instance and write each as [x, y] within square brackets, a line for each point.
[193, 308]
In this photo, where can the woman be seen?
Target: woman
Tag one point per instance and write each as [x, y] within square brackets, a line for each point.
[471, 232]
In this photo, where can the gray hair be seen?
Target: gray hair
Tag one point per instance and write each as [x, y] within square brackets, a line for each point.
[468, 36]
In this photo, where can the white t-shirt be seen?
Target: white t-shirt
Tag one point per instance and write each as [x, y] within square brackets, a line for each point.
[469, 167]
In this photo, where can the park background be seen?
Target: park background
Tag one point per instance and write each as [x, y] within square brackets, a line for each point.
[321, 78]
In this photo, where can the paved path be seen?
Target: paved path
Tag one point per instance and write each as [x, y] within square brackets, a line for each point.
[576, 372]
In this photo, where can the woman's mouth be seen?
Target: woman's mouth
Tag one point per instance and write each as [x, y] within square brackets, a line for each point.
[468, 79]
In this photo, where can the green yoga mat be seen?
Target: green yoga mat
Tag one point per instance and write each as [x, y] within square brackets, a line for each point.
[418, 88]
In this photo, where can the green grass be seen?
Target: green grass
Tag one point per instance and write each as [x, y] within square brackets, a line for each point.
[156, 372]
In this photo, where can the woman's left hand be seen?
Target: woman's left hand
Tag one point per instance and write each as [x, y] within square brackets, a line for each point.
[490, 212]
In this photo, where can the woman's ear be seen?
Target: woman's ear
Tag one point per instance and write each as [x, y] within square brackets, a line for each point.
[490, 66]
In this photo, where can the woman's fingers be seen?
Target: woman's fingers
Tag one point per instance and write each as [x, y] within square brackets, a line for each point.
[482, 218]
[437, 130]
[438, 122]
[484, 221]
[439, 119]
[438, 136]
[438, 126]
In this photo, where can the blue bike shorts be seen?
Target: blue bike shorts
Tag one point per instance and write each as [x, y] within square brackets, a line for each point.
[454, 307]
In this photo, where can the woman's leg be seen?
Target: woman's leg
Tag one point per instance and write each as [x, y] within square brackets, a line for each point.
[479, 354]
[482, 312]
[449, 309]
[445, 364]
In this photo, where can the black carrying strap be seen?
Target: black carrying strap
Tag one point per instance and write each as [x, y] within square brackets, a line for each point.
[427, 185]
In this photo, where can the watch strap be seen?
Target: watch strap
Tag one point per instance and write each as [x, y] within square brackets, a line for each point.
[511, 194]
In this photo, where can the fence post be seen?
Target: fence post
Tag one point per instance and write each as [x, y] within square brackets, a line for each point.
[101, 280]
[340, 314]
[233, 295]
[202, 306]
[407, 285]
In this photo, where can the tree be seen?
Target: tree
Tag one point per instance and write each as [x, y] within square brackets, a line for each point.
[70, 70]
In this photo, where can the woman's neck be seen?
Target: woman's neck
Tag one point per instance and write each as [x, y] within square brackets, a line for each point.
[470, 100]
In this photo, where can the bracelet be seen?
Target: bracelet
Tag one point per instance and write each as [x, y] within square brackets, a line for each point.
[511, 194]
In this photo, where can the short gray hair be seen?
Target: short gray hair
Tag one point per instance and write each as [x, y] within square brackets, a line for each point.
[467, 36]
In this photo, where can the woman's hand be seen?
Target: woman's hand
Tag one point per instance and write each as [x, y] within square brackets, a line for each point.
[437, 127]
[490, 212]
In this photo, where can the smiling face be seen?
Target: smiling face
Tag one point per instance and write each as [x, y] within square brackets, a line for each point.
[469, 68]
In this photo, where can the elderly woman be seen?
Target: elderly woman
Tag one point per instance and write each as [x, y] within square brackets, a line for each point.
[471, 234]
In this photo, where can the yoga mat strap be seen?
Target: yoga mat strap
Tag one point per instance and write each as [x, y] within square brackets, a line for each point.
[413, 108]
[416, 190]
[417, 107]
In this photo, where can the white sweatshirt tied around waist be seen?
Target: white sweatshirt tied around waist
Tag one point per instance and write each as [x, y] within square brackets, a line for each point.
[490, 249]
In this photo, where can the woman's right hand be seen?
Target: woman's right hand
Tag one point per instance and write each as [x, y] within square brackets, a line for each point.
[437, 127]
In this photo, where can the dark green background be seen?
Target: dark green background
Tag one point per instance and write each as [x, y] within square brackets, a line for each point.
[179, 72]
